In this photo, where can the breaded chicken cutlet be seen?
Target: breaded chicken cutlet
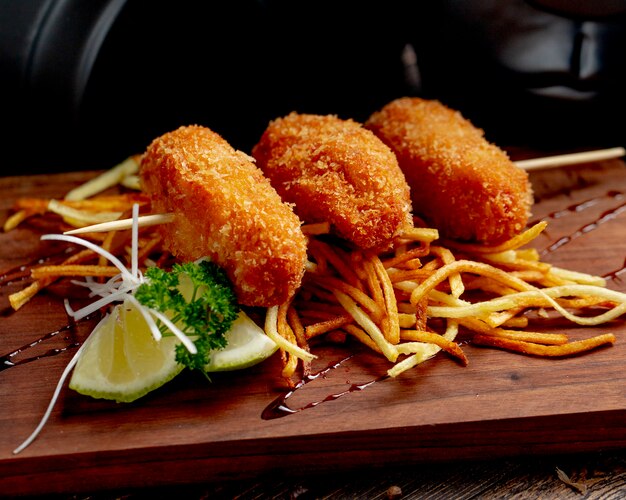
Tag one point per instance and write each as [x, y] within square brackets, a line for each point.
[460, 183]
[336, 171]
[225, 209]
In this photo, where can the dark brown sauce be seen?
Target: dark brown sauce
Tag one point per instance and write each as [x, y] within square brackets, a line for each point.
[22, 272]
[8, 360]
[606, 216]
[577, 208]
[18, 273]
[615, 274]
[279, 407]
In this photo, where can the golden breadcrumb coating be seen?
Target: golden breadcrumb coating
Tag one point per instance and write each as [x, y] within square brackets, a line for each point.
[461, 184]
[336, 171]
[227, 210]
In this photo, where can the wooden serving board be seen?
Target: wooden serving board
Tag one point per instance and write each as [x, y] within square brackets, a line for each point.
[502, 404]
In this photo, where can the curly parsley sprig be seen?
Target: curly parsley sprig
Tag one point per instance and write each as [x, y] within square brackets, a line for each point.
[205, 316]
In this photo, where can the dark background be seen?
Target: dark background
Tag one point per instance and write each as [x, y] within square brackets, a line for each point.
[84, 84]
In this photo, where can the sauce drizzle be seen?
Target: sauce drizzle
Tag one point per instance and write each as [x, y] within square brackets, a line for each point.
[23, 271]
[279, 407]
[7, 360]
[615, 274]
[607, 216]
[577, 208]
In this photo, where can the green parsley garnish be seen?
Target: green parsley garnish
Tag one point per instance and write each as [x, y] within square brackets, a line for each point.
[205, 316]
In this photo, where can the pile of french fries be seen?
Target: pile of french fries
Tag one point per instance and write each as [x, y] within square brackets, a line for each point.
[410, 302]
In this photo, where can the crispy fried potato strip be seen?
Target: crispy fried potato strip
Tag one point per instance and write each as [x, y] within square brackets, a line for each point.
[18, 299]
[74, 270]
[512, 244]
[531, 348]
[433, 338]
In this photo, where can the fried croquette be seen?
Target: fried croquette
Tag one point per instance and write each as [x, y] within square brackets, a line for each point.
[460, 183]
[336, 171]
[225, 209]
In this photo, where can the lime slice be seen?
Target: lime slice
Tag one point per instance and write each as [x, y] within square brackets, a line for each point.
[247, 345]
[121, 359]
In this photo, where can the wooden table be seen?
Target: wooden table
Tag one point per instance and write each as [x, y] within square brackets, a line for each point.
[441, 429]
[595, 476]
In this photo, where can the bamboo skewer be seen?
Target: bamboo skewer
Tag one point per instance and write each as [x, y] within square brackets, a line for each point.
[571, 158]
[121, 224]
[531, 164]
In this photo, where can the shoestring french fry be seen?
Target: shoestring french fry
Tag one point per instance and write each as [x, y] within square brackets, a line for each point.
[271, 329]
[407, 257]
[361, 335]
[392, 323]
[18, 299]
[423, 351]
[569, 349]
[297, 328]
[327, 325]
[459, 266]
[74, 270]
[289, 359]
[335, 257]
[456, 284]
[16, 219]
[106, 180]
[512, 244]
[541, 298]
[478, 326]
[431, 338]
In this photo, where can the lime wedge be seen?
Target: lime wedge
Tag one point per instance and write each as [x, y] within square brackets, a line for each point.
[247, 345]
[121, 359]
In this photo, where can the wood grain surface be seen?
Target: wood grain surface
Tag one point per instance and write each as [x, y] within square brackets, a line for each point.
[190, 431]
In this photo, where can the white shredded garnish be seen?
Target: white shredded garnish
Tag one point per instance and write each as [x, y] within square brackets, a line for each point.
[135, 242]
[100, 303]
[68, 309]
[113, 290]
[98, 289]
